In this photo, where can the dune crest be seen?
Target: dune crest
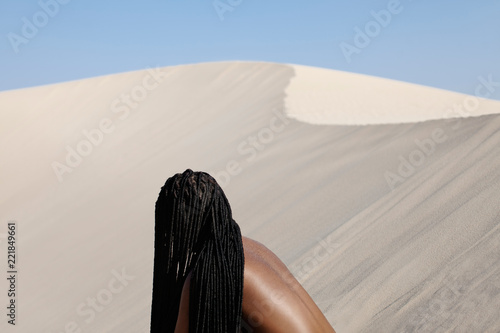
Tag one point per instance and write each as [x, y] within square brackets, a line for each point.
[324, 96]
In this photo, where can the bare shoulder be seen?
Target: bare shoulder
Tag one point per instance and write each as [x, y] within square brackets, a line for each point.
[273, 300]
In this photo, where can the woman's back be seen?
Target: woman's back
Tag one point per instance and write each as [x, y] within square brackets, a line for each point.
[273, 300]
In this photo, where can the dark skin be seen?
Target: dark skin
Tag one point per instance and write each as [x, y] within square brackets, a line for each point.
[273, 300]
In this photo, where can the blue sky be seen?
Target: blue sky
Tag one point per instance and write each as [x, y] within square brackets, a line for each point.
[445, 44]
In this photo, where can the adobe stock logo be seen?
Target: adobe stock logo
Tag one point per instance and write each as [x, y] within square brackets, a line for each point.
[92, 306]
[427, 147]
[123, 105]
[416, 158]
[373, 28]
[223, 6]
[252, 146]
[31, 27]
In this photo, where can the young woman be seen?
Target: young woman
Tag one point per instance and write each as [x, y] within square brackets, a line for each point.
[208, 278]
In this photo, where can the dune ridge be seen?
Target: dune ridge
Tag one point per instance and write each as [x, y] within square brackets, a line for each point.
[324, 96]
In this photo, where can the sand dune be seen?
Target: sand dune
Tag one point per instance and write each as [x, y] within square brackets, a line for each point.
[391, 227]
[321, 96]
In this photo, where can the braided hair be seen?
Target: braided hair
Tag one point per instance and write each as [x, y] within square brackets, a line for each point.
[195, 233]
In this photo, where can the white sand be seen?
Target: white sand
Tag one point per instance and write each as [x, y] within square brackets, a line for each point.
[322, 96]
[423, 256]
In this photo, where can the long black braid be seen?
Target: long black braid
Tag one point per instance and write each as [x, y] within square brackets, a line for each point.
[195, 232]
